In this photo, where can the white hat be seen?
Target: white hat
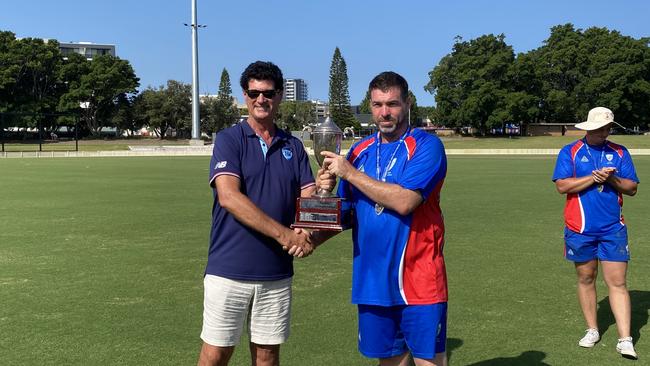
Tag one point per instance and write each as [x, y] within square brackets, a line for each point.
[597, 118]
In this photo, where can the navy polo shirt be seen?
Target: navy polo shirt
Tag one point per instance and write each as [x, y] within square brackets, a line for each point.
[272, 181]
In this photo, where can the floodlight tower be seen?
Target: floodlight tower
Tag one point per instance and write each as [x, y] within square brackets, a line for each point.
[196, 129]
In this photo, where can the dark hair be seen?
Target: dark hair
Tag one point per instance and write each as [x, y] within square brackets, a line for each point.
[390, 79]
[261, 70]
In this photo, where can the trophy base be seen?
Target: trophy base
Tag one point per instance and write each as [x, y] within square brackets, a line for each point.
[316, 226]
[319, 213]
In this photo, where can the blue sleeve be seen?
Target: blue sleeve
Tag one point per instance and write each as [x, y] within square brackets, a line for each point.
[225, 156]
[563, 165]
[627, 167]
[345, 191]
[427, 167]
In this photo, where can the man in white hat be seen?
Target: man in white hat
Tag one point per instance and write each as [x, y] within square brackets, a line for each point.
[595, 174]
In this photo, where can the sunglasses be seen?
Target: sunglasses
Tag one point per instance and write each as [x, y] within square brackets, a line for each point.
[268, 94]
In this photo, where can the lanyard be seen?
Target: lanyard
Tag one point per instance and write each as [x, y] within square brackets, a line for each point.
[602, 154]
[392, 156]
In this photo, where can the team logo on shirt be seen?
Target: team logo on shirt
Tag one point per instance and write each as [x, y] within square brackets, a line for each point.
[390, 167]
[584, 159]
[609, 157]
[287, 153]
[221, 165]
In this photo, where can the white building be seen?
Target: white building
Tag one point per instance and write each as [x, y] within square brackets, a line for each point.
[295, 90]
[86, 49]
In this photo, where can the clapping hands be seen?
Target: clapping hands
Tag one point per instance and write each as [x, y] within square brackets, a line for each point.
[601, 175]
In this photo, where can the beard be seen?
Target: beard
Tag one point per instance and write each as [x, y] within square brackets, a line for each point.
[392, 129]
[388, 130]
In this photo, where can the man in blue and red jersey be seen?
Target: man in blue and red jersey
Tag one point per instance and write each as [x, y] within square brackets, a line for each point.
[595, 174]
[392, 181]
[257, 171]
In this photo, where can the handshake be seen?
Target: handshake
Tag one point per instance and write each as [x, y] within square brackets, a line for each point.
[298, 242]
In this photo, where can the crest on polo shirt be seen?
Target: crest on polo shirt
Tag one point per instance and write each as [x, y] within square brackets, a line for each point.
[287, 153]
[609, 157]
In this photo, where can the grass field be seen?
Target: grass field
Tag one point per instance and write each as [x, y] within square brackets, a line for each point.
[91, 145]
[101, 262]
[537, 142]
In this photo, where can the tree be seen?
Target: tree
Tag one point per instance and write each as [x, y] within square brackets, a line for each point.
[222, 111]
[29, 79]
[294, 115]
[524, 100]
[166, 108]
[414, 118]
[427, 113]
[101, 82]
[225, 90]
[596, 67]
[470, 84]
[123, 118]
[339, 97]
[364, 107]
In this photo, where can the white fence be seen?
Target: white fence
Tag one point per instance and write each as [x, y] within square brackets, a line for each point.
[207, 151]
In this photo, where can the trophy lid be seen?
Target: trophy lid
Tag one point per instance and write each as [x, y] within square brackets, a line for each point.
[327, 127]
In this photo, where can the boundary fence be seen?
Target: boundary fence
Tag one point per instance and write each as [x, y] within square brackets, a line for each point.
[10, 133]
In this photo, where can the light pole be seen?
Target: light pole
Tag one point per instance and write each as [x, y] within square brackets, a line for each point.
[196, 129]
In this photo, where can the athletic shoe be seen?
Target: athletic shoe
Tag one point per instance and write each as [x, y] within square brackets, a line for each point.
[626, 348]
[590, 339]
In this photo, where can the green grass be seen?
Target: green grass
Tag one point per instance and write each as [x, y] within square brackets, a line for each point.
[537, 142]
[101, 262]
[91, 145]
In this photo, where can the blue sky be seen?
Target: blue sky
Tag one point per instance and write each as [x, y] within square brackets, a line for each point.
[409, 37]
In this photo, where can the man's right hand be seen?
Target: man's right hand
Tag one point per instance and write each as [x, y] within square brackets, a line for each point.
[337, 165]
[298, 243]
[601, 175]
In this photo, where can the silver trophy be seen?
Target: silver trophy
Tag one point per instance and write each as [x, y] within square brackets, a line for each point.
[322, 211]
[327, 137]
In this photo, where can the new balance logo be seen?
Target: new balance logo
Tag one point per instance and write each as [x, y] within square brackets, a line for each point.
[584, 159]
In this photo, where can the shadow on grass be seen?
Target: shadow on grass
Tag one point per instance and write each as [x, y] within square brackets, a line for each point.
[640, 304]
[452, 344]
[528, 358]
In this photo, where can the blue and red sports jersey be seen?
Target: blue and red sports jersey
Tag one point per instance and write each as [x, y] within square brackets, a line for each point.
[272, 181]
[398, 259]
[595, 210]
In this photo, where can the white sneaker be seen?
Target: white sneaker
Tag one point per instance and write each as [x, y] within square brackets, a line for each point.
[626, 348]
[590, 339]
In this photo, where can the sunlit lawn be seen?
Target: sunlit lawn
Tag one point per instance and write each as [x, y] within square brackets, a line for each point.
[101, 262]
[537, 142]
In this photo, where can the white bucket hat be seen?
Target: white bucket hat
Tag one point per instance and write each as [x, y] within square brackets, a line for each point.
[597, 118]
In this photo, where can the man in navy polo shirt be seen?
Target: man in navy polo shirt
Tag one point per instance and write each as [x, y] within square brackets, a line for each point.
[258, 171]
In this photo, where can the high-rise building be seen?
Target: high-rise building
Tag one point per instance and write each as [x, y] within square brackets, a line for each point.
[295, 89]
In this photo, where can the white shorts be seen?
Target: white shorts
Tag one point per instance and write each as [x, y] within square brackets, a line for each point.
[227, 304]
